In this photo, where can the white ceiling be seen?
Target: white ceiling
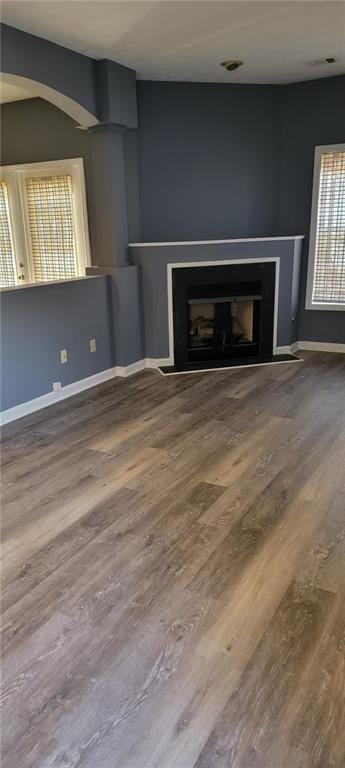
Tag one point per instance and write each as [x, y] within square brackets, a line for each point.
[279, 42]
[12, 93]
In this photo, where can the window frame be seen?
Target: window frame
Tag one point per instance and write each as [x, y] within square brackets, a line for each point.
[309, 303]
[14, 177]
[10, 226]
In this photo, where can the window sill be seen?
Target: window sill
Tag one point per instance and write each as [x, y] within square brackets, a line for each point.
[47, 283]
[326, 307]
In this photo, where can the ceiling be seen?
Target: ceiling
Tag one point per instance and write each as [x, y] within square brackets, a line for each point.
[279, 42]
[12, 93]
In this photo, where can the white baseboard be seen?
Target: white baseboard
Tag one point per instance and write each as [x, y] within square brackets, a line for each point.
[24, 409]
[130, 369]
[312, 346]
[146, 362]
[157, 362]
[30, 406]
[321, 346]
[288, 350]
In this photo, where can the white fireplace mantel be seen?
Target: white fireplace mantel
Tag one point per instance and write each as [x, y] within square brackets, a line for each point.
[215, 242]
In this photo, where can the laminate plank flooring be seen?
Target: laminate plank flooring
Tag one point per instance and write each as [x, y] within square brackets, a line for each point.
[173, 573]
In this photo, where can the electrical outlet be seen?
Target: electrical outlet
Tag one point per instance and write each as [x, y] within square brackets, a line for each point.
[63, 356]
[92, 345]
[56, 386]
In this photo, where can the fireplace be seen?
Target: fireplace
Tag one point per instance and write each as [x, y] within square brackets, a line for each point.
[220, 327]
[223, 315]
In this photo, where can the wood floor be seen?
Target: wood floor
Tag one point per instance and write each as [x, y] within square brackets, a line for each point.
[174, 573]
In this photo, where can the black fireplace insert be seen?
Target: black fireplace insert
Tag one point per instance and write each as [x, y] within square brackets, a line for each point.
[223, 314]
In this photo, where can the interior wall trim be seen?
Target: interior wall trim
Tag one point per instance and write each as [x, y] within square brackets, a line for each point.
[286, 350]
[24, 409]
[51, 398]
[30, 406]
[216, 242]
[321, 346]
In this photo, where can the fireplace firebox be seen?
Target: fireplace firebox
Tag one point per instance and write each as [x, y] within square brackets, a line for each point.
[223, 315]
[223, 326]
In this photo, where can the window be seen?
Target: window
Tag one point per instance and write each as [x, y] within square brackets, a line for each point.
[326, 266]
[43, 222]
[7, 263]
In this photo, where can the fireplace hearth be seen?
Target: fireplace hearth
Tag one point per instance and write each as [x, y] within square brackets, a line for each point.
[223, 315]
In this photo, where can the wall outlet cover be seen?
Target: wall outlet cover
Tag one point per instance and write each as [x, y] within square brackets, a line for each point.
[63, 356]
[92, 345]
[56, 386]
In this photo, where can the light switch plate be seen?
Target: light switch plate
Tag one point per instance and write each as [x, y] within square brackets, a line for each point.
[63, 356]
[92, 345]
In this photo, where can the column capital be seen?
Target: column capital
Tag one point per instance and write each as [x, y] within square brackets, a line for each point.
[106, 128]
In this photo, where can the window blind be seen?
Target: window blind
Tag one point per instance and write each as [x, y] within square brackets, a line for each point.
[329, 265]
[7, 260]
[51, 222]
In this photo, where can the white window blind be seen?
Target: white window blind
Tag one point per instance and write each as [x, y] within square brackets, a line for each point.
[51, 222]
[7, 262]
[327, 256]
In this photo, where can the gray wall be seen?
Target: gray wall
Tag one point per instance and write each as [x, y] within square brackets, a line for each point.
[105, 89]
[62, 69]
[313, 114]
[209, 160]
[116, 96]
[39, 321]
[34, 131]
[237, 161]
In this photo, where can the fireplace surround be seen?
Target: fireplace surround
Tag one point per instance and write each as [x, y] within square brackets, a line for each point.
[159, 266]
[223, 314]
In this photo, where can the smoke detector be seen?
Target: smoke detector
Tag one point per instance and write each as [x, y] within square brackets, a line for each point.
[231, 65]
[320, 62]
